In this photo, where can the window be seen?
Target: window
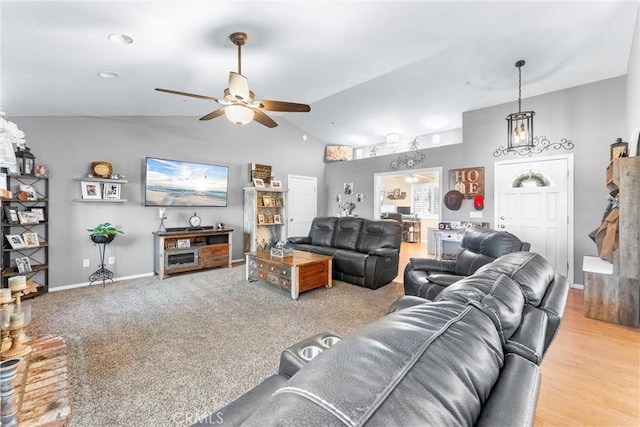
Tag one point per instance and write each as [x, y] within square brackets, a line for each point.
[531, 179]
[425, 200]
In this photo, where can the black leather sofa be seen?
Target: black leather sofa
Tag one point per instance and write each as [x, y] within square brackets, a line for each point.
[426, 277]
[470, 357]
[365, 251]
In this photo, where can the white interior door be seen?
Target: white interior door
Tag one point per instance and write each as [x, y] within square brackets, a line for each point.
[302, 204]
[534, 202]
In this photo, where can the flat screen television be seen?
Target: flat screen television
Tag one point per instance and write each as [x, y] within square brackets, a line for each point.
[179, 183]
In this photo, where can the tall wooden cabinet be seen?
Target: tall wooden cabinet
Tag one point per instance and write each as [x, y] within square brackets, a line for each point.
[265, 217]
[614, 295]
[25, 231]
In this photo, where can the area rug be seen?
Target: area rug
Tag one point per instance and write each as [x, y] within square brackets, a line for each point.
[147, 352]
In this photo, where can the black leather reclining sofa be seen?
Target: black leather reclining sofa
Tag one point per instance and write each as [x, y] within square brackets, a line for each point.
[469, 357]
[365, 251]
[425, 277]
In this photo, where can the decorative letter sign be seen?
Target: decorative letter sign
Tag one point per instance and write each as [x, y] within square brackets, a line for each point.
[468, 181]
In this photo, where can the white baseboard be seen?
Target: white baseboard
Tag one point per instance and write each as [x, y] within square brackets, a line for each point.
[82, 285]
[577, 286]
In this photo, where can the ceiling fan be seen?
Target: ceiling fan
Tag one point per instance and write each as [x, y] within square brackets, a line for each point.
[239, 102]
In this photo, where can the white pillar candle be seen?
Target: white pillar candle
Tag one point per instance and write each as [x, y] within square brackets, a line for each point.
[161, 213]
[17, 283]
[5, 295]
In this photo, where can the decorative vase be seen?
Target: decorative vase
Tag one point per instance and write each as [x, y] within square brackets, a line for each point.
[8, 401]
[98, 238]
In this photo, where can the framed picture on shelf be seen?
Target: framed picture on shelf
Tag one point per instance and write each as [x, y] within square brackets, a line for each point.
[28, 217]
[266, 200]
[41, 171]
[183, 243]
[31, 240]
[260, 219]
[111, 191]
[16, 241]
[258, 182]
[11, 215]
[269, 219]
[23, 264]
[278, 202]
[277, 219]
[276, 184]
[31, 192]
[39, 213]
[91, 190]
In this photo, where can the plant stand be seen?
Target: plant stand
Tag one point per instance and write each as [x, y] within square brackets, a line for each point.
[102, 273]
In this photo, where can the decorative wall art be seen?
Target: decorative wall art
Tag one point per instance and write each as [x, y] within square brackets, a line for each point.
[468, 181]
[348, 188]
[540, 144]
[407, 161]
[338, 153]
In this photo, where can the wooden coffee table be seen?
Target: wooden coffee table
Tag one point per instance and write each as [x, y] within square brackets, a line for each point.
[299, 273]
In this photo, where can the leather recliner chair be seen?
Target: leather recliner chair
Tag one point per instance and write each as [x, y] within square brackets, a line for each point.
[425, 278]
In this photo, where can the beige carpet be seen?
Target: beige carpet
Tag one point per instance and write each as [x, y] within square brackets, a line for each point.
[147, 352]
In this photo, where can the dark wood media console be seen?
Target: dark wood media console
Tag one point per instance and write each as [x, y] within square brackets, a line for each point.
[181, 250]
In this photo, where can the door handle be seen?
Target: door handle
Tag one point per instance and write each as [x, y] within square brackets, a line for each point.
[291, 219]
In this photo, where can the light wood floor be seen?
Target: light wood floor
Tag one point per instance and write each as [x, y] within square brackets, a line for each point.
[591, 374]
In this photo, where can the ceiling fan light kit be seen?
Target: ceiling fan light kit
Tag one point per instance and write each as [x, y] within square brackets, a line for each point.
[238, 114]
[240, 106]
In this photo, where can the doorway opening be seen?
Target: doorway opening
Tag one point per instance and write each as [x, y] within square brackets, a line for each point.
[411, 196]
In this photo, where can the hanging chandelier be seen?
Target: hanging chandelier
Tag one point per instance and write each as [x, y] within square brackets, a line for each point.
[520, 124]
[520, 138]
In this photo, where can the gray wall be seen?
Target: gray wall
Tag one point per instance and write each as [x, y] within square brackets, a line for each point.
[633, 83]
[68, 145]
[592, 116]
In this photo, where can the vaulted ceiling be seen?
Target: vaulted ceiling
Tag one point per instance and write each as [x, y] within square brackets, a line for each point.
[367, 68]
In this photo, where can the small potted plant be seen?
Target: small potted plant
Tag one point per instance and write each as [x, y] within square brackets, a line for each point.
[103, 233]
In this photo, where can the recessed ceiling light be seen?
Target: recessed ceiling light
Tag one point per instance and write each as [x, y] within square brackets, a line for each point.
[120, 38]
[304, 137]
[108, 75]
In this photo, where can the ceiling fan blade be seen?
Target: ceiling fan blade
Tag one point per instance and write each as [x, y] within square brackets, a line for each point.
[285, 106]
[238, 86]
[213, 114]
[263, 119]
[193, 95]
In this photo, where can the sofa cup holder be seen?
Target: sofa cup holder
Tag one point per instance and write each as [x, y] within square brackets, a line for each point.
[310, 352]
[330, 341]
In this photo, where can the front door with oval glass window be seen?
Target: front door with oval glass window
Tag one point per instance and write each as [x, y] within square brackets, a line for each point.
[532, 202]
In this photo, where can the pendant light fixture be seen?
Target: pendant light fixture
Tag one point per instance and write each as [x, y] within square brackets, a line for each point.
[520, 124]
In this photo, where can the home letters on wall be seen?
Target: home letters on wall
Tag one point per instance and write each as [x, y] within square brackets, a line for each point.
[468, 181]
